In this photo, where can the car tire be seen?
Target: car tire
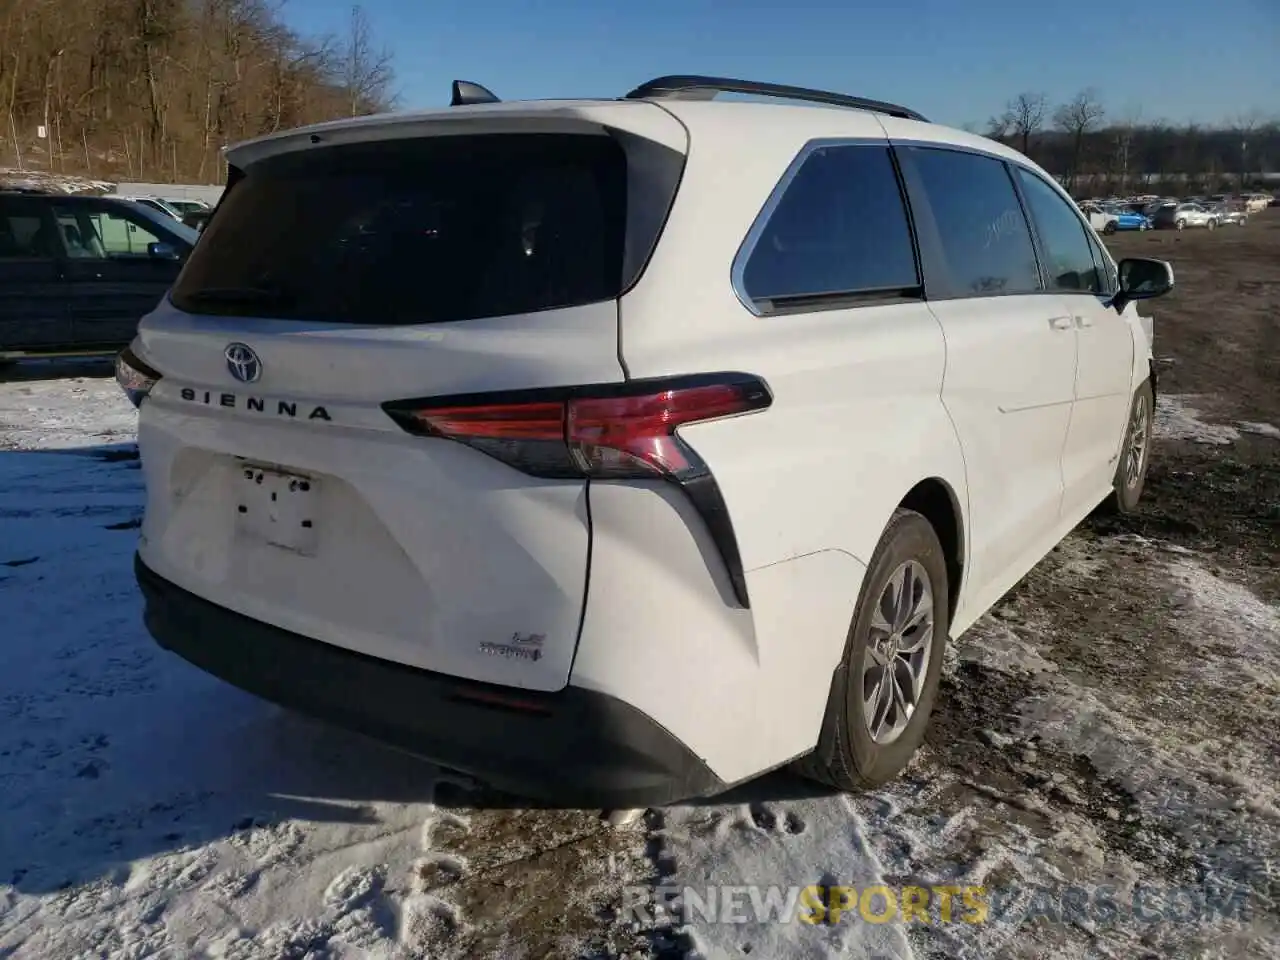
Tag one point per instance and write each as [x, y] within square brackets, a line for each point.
[849, 756]
[1110, 228]
[1212, 224]
[1180, 224]
[1135, 455]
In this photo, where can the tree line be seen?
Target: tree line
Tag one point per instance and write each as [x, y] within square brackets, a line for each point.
[1094, 152]
[153, 89]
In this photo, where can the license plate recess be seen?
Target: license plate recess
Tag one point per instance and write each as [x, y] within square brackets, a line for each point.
[277, 507]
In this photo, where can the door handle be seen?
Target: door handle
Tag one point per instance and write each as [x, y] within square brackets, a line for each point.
[1061, 323]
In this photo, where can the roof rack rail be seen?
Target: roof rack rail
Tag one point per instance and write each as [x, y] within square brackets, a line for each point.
[694, 87]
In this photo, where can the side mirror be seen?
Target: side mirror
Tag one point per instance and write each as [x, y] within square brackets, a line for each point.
[1143, 279]
[161, 251]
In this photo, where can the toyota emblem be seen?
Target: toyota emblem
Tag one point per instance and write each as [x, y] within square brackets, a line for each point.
[243, 362]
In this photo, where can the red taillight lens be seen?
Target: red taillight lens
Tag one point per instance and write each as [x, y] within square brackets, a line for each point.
[627, 436]
[494, 421]
[613, 431]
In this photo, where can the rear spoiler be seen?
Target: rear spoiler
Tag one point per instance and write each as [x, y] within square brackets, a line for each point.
[636, 117]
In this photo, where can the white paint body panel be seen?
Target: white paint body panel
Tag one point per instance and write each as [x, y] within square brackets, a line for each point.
[1103, 393]
[427, 549]
[1011, 365]
[660, 633]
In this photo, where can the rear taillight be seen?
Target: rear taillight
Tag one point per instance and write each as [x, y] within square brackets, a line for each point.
[613, 431]
[622, 431]
[135, 378]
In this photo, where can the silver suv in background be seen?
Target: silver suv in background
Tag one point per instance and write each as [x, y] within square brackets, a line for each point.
[1230, 213]
[1181, 216]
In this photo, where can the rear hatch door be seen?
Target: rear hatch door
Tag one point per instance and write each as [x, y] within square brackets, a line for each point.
[436, 260]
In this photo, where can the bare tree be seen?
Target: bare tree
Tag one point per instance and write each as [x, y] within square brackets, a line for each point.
[160, 85]
[1023, 117]
[1077, 117]
[366, 71]
[997, 128]
[1246, 125]
[1125, 131]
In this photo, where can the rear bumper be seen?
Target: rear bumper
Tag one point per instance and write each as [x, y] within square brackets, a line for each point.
[574, 748]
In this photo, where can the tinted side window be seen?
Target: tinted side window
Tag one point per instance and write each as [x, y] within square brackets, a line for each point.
[1106, 268]
[986, 243]
[1069, 259]
[103, 234]
[840, 228]
[24, 234]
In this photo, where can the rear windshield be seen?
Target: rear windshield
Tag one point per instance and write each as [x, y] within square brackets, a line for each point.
[417, 231]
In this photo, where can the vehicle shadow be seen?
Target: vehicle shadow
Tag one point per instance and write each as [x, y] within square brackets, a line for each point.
[114, 751]
[460, 792]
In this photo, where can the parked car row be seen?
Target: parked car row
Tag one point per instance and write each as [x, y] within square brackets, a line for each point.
[1172, 213]
[192, 213]
[1109, 217]
[1181, 215]
[1249, 202]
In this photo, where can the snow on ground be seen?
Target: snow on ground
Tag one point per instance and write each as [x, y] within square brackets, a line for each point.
[1179, 418]
[37, 414]
[44, 180]
[152, 811]
[148, 809]
[819, 840]
[1261, 429]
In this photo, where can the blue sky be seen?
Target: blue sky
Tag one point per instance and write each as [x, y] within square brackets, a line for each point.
[953, 60]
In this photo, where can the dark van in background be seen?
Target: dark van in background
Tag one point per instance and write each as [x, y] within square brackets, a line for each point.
[77, 273]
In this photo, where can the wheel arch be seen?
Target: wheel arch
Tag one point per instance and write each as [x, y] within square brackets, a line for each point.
[936, 500]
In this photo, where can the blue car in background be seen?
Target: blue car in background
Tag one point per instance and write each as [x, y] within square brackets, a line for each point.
[1127, 219]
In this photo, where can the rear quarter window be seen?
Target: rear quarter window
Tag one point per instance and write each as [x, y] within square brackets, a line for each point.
[839, 228]
[417, 231]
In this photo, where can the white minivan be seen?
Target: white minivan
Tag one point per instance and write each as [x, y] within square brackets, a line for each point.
[618, 451]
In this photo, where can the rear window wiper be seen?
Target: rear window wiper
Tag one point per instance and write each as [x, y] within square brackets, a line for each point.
[249, 295]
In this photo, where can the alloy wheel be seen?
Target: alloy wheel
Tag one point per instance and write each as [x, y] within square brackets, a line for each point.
[1139, 439]
[896, 661]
